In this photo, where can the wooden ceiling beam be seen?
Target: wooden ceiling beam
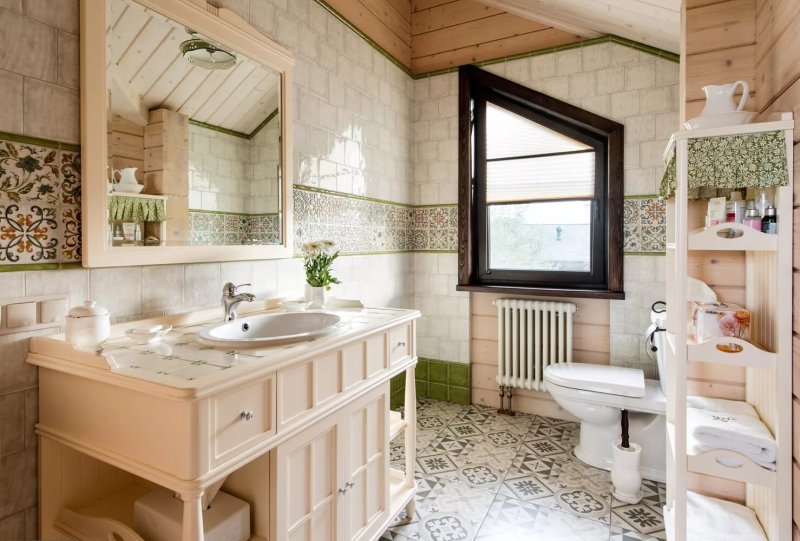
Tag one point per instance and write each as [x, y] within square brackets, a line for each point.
[542, 18]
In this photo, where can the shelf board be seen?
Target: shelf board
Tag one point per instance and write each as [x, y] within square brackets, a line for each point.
[708, 463]
[718, 350]
[750, 355]
[749, 239]
[399, 493]
[396, 424]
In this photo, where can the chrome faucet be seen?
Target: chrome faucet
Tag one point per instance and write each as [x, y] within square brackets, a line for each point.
[231, 299]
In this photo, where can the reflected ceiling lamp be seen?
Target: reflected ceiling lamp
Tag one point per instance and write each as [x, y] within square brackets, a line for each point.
[206, 54]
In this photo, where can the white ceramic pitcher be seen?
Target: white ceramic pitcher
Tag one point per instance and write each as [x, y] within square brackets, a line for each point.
[127, 175]
[719, 98]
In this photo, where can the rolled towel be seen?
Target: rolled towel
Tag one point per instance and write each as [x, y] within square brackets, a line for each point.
[711, 519]
[730, 425]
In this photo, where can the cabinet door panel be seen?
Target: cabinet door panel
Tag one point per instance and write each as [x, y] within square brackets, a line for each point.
[307, 475]
[367, 465]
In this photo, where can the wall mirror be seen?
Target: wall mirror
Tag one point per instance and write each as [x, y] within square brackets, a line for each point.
[185, 135]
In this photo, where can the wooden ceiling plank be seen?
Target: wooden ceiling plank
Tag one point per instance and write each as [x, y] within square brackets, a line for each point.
[129, 25]
[419, 5]
[384, 11]
[202, 93]
[251, 104]
[142, 49]
[532, 41]
[248, 94]
[452, 14]
[182, 91]
[226, 92]
[547, 19]
[362, 18]
[168, 81]
[483, 30]
[403, 7]
[157, 64]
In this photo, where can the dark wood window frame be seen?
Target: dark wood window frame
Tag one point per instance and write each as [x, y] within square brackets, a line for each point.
[606, 276]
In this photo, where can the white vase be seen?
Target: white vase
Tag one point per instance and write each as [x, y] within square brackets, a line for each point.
[625, 473]
[316, 296]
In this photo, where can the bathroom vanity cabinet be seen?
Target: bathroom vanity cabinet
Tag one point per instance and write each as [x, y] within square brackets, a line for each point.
[301, 432]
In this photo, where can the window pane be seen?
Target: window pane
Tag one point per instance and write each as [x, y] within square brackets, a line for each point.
[541, 236]
[553, 177]
[508, 135]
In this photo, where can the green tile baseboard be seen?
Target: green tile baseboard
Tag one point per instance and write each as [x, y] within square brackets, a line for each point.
[441, 380]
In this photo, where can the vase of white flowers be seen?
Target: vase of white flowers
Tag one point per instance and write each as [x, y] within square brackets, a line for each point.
[318, 258]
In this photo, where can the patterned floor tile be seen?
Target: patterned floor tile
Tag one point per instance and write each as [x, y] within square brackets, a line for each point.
[520, 474]
[452, 512]
[508, 517]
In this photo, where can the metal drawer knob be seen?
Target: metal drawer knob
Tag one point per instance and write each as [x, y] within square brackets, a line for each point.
[401, 344]
[349, 485]
[246, 415]
[342, 491]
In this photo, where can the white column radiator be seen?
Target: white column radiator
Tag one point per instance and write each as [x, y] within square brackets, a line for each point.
[531, 335]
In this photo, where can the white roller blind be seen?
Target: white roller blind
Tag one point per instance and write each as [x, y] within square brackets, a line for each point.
[509, 135]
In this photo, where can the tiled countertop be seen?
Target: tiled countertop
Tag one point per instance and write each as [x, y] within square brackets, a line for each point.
[180, 362]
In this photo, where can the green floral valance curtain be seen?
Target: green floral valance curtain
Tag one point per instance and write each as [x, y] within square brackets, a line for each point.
[753, 160]
[135, 209]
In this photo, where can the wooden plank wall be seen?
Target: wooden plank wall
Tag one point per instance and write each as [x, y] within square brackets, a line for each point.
[449, 33]
[126, 145]
[591, 345]
[777, 70]
[719, 47]
[386, 22]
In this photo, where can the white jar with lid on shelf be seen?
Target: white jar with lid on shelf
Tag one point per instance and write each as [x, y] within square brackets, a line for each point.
[88, 326]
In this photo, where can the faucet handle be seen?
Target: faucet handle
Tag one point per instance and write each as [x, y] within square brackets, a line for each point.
[230, 289]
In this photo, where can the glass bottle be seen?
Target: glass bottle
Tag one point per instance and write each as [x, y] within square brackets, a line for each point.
[769, 223]
[751, 217]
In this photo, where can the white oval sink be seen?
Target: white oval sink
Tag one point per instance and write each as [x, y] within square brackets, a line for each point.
[270, 329]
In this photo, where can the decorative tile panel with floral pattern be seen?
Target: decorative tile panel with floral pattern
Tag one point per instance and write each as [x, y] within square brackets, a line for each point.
[644, 225]
[39, 203]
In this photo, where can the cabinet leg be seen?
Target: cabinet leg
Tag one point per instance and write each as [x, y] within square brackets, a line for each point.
[192, 517]
[410, 507]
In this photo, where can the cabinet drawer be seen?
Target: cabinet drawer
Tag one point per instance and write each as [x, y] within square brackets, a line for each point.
[399, 343]
[241, 418]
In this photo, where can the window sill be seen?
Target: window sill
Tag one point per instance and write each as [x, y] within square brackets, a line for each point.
[541, 291]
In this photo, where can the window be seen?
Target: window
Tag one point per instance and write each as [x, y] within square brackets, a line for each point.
[540, 192]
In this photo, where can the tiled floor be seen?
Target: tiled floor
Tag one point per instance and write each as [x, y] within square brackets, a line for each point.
[489, 477]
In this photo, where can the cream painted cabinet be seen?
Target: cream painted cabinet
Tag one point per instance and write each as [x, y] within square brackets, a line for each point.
[301, 432]
[333, 477]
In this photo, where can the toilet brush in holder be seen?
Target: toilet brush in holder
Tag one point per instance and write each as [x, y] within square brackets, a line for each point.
[625, 475]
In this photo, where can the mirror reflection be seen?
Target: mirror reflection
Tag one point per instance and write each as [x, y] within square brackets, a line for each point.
[193, 137]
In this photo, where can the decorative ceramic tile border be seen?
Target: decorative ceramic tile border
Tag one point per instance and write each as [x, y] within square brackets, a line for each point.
[357, 225]
[434, 378]
[207, 228]
[644, 225]
[364, 225]
[40, 183]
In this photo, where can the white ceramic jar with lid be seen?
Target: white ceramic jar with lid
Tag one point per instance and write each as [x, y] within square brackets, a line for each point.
[88, 326]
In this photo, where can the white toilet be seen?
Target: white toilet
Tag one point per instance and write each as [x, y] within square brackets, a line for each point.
[596, 394]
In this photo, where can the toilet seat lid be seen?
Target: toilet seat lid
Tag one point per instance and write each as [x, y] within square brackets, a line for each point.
[598, 378]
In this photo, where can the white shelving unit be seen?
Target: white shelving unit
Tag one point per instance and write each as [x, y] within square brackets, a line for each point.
[767, 358]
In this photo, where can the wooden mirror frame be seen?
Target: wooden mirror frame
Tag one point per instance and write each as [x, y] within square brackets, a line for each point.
[218, 24]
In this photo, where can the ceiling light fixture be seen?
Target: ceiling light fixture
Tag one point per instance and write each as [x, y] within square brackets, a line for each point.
[205, 54]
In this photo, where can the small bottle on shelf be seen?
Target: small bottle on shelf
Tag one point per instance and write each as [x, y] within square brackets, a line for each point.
[769, 223]
[751, 216]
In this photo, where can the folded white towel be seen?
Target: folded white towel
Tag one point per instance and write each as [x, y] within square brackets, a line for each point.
[711, 519]
[731, 425]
